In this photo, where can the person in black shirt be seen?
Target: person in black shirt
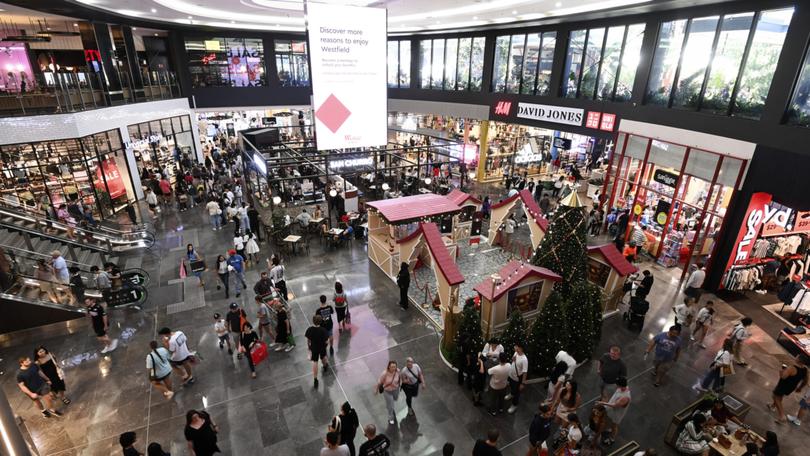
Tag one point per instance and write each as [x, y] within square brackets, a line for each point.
[540, 429]
[376, 445]
[234, 317]
[36, 385]
[127, 441]
[646, 284]
[249, 337]
[76, 286]
[316, 339]
[325, 311]
[101, 324]
[201, 433]
[264, 286]
[487, 447]
[348, 426]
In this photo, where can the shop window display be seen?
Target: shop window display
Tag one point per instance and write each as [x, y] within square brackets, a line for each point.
[91, 171]
[718, 64]
[159, 145]
[292, 65]
[226, 62]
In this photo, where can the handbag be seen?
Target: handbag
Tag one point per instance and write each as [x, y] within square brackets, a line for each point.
[152, 376]
[197, 266]
[258, 352]
[380, 388]
[727, 370]
[348, 318]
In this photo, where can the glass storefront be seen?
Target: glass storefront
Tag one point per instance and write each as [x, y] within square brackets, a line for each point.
[292, 63]
[91, 170]
[159, 145]
[226, 62]
[677, 196]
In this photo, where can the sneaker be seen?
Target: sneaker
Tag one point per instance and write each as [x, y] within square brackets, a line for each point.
[113, 345]
[511, 409]
[289, 348]
[692, 338]
[55, 412]
[795, 420]
[702, 346]
[279, 348]
[46, 414]
[315, 383]
[238, 356]
[221, 345]
[325, 368]
[391, 422]
[219, 287]
[230, 351]
[698, 388]
[493, 413]
[238, 294]
[105, 349]
[169, 394]
[331, 351]
[253, 375]
[508, 397]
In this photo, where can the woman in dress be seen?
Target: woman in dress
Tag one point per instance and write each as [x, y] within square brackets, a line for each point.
[283, 328]
[44, 274]
[201, 434]
[341, 306]
[251, 248]
[191, 256]
[48, 365]
[692, 439]
[222, 272]
[568, 401]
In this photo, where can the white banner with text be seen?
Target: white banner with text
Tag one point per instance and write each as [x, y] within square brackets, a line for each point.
[347, 49]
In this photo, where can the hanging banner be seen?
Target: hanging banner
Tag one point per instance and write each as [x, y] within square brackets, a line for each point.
[348, 46]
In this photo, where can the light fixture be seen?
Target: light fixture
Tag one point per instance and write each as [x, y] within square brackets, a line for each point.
[333, 193]
[558, 5]
[233, 22]
[428, 181]
[156, 34]
[475, 18]
[514, 11]
[276, 200]
[190, 17]
[134, 28]
[385, 186]
[75, 25]
[154, 11]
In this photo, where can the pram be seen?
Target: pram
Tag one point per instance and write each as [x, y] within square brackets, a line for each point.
[638, 306]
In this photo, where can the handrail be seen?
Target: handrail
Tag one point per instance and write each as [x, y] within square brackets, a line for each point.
[103, 248]
[40, 302]
[35, 217]
[15, 252]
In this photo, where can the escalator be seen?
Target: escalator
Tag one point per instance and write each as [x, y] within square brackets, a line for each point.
[25, 302]
[28, 227]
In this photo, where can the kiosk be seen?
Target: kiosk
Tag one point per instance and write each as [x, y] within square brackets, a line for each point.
[607, 268]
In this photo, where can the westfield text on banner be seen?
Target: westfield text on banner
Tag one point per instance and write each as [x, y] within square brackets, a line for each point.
[347, 48]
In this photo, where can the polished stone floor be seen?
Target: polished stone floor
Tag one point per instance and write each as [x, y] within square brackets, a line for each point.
[280, 413]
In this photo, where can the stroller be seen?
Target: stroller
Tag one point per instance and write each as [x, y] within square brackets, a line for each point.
[639, 306]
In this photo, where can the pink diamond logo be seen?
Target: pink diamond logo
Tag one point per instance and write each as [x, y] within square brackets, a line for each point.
[332, 113]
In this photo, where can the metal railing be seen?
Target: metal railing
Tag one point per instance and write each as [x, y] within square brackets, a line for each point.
[62, 92]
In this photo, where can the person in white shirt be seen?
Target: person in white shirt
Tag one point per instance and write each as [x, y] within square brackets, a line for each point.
[738, 335]
[214, 214]
[492, 350]
[508, 229]
[563, 356]
[684, 314]
[703, 322]
[412, 379]
[518, 372]
[694, 282]
[715, 378]
[498, 381]
[60, 268]
[181, 357]
[618, 404]
[303, 219]
[221, 329]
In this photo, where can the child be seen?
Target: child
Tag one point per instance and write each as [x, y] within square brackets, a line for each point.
[221, 328]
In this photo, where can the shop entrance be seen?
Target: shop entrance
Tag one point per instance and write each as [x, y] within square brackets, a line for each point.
[160, 145]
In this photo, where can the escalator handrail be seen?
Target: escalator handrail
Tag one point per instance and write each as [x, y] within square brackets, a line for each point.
[99, 232]
[40, 302]
[39, 217]
[83, 267]
[59, 239]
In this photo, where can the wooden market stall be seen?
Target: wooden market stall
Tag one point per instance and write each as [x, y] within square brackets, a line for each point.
[517, 286]
[463, 223]
[608, 269]
[500, 211]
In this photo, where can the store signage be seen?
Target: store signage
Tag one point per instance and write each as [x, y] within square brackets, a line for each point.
[526, 155]
[261, 165]
[115, 182]
[124, 296]
[761, 211]
[592, 121]
[348, 46]
[562, 143]
[664, 177]
[351, 163]
[608, 122]
[503, 108]
[92, 55]
[553, 114]
[136, 277]
[140, 143]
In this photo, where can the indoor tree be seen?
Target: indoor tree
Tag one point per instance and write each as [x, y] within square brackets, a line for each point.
[583, 319]
[469, 339]
[515, 332]
[546, 336]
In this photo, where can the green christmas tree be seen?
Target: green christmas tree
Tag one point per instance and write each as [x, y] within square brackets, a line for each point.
[469, 340]
[545, 338]
[515, 332]
[564, 247]
[583, 317]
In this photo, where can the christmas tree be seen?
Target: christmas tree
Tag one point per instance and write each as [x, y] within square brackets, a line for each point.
[564, 247]
[583, 317]
[515, 332]
[469, 340]
[545, 338]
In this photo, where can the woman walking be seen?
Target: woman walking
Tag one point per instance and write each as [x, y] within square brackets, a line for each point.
[201, 434]
[222, 272]
[412, 379]
[192, 256]
[403, 282]
[49, 366]
[718, 369]
[251, 248]
[346, 423]
[341, 306]
[388, 385]
[246, 342]
[284, 339]
[160, 369]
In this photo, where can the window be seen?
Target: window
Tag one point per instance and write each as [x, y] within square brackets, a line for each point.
[523, 63]
[718, 64]
[799, 112]
[601, 63]
[399, 64]
[291, 63]
[226, 62]
[451, 64]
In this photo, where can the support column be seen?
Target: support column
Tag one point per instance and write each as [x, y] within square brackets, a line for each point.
[12, 441]
[482, 152]
[128, 42]
[99, 54]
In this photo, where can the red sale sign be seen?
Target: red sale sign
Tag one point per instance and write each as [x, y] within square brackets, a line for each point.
[115, 182]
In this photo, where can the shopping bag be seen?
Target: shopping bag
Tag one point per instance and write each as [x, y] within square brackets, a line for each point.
[291, 340]
[258, 352]
[182, 269]
[348, 318]
[197, 266]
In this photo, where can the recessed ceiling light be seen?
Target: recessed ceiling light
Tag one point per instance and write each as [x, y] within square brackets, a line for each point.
[134, 28]
[156, 34]
[514, 11]
[558, 5]
[154, 11]
[75, 25]
[278, 25]
[190, 17]
[475, 18]
[48, 28]
[233, 22]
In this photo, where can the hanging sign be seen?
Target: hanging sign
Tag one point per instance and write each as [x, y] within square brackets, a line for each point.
[348, 46]
[136, 277]
[115, 182]
[664, 177]
[125, 296]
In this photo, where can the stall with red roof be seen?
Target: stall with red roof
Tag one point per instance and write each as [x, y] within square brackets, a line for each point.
[608, 269]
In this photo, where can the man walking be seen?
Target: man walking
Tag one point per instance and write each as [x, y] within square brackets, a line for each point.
[667, 347]
[517, 376]
[540, 429]
[610, 368]
[317, 337]
[488, 447]
[175, 342]
[376, 444]
[498, 382]
[98, 316]
[737, 336]
[236, 266]
[694, 282]
[36, 385]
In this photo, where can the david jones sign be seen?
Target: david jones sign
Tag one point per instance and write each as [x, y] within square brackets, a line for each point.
[547, 113]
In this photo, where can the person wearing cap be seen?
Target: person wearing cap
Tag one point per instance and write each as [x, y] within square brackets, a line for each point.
[236, 266]
[235, 318]
[60, 267]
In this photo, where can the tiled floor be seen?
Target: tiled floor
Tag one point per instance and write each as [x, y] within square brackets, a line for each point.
[279, 413]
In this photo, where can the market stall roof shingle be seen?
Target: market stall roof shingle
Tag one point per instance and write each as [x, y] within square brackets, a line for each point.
[413, 208]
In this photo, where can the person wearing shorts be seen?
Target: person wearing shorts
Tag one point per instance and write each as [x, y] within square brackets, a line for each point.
[175, 342]
[667, 347]
[98, 316]
[317, 337]
[804, 407]
[36, 385]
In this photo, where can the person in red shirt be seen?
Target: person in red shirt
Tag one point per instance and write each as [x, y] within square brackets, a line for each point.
[165, 189]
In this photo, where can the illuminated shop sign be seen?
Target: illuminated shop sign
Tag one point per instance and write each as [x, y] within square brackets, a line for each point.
[141, 143]
[351, 163]
[665, 178]
[526, 155]
[503, 108]
[553, 114]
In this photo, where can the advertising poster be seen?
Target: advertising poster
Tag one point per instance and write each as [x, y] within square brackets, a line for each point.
[115, 182]
[348, 46]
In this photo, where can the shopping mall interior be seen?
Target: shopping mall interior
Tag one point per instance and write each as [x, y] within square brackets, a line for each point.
[568, 227]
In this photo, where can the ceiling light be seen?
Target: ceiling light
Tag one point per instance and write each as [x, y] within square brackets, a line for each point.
[134, 28]
[558, 5]
[475, 8]
[192, 8]
[475, 18]
[514, 11]
[48, 28]
[156, 34]
[75, 25]
[190, 18]
[597, 6]
[233, 22]
[154, 11]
